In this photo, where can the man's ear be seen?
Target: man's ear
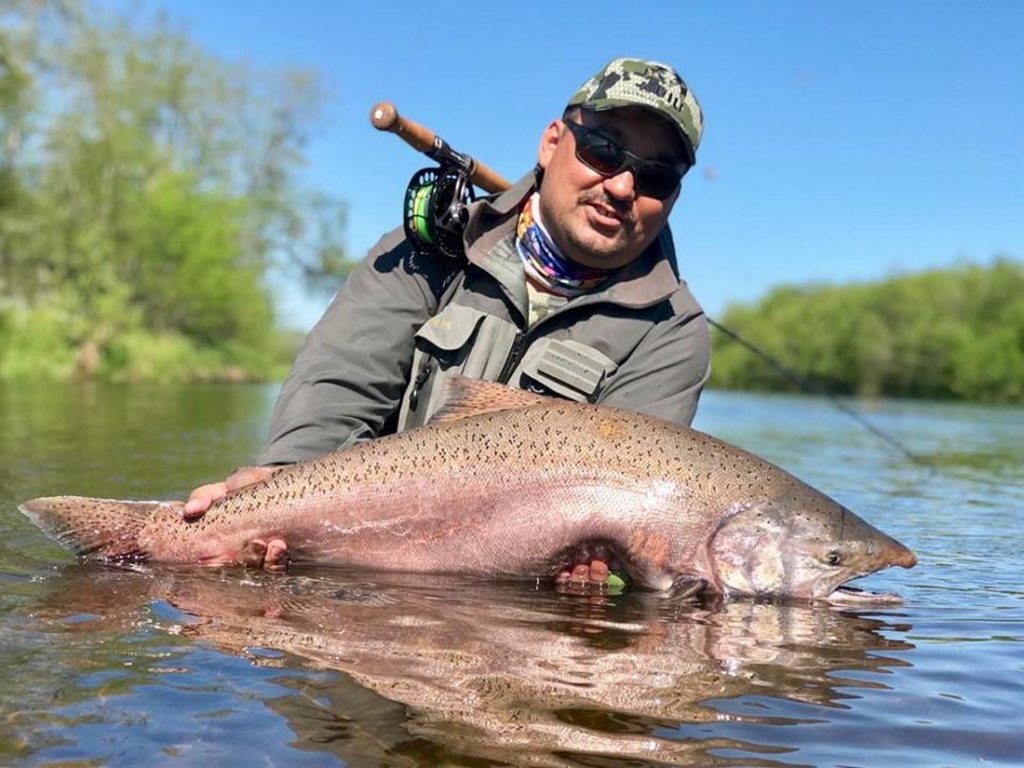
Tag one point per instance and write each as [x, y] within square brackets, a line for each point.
[549, 143]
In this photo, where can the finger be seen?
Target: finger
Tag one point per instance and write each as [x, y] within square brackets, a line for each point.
[253, 553]
[580, 573]
[201, 498]
[207, 491]
[196, 507]
[598, 571]
[244, 476]
[277, 558]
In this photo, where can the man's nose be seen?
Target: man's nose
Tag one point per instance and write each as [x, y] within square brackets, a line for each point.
[621, 186]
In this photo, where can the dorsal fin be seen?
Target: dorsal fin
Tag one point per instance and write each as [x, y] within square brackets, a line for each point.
[465, 397]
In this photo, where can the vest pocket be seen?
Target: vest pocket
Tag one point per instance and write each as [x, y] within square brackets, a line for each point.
[446, 336]
[568, 368]
[458, 340]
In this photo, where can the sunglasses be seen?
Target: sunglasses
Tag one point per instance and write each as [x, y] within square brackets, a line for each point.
[601, 154]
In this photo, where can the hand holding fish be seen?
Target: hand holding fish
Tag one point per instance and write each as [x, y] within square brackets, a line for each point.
[270, 555]
[202, 497]
[508, 484]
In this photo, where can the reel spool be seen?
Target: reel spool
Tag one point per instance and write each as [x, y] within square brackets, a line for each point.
[435, 209]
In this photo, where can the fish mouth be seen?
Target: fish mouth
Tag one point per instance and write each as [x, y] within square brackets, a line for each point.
[842, 594]
[847, 596]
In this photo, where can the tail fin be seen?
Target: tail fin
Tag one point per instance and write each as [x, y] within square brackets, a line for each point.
[96, 529]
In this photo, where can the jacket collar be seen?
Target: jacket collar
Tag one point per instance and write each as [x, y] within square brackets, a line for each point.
[489, 243]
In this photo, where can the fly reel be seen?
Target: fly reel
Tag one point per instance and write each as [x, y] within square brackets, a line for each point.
[436, 200]
[435, 210]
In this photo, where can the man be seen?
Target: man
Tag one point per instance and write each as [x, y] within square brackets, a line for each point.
[568, 287]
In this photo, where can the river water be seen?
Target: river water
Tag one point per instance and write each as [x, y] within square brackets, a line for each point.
[167, 666]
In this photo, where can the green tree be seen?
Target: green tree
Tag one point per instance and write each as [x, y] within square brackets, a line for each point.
[159, 191]
[944, 333]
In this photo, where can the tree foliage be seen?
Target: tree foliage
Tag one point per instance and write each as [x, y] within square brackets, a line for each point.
[148, 187]
[953, 333]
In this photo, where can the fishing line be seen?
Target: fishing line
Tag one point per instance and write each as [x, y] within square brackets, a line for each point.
[808, 385]
[436, 212]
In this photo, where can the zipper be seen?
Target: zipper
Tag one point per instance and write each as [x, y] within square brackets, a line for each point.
[421, 379]
[514, 356]
[520, 343]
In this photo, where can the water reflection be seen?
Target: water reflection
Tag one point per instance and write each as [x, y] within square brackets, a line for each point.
[456, 672]
[169, 668]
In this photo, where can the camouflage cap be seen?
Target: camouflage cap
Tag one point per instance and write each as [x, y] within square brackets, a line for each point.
[649, 84]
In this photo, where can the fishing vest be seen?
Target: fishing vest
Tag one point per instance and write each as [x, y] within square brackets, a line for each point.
[480, 330]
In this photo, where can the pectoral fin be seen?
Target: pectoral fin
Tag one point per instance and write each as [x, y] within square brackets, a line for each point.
[685, 587]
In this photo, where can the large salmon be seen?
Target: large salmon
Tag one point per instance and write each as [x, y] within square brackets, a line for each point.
[507, 484]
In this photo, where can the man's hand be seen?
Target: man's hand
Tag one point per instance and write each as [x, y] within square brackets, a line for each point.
[202, 497]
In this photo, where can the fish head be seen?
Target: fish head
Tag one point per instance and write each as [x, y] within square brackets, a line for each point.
[804, 546]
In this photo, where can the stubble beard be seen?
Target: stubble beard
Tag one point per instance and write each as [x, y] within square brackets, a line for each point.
[580, 237]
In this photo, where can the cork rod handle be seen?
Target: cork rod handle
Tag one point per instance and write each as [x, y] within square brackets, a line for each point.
[385, 117]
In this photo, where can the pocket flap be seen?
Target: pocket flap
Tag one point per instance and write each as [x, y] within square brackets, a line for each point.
[450, 330]
[568, 368]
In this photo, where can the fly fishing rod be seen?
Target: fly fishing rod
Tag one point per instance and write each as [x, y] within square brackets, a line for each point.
[436, 212]
[436, 199]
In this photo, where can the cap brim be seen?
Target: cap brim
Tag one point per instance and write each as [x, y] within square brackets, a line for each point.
[609, 104]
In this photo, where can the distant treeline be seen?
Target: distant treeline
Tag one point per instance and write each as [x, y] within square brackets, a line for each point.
[147, 191]
[953, 333]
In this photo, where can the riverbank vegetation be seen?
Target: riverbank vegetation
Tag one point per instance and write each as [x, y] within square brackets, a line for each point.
[150, 197]
[954, 333]
[149, 194]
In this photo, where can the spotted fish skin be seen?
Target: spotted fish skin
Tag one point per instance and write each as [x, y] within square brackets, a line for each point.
[502, 484]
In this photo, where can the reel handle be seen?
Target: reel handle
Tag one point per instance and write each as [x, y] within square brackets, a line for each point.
[385, 117]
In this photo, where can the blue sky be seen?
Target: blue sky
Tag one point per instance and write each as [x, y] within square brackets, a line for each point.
[843, 141]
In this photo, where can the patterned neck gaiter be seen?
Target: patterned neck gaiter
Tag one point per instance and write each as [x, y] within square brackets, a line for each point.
[543, 260]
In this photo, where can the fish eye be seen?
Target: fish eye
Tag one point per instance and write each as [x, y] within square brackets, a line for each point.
[833, 558]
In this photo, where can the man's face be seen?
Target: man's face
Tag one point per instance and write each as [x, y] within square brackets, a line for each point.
[602, 221]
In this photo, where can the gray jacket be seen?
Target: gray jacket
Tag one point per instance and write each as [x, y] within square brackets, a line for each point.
[403, 323]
